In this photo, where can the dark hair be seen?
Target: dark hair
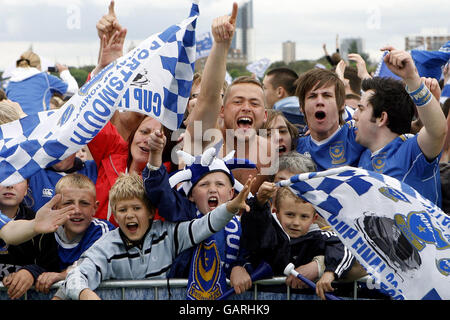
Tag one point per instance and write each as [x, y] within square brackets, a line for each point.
[351, 73]
[335, 58]
[318, 78]
[391, 97]
[446, 107]
[285, 78]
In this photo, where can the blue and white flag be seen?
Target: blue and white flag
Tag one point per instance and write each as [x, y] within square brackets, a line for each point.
[155, 78]
[428, 63]
[383, 71]
[401, 238]
[204, 44]
[259, 67]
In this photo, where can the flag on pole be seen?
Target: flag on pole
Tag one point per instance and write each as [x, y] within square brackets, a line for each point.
[401, 238]
[155, 78]
[259, 67]
[204, 44]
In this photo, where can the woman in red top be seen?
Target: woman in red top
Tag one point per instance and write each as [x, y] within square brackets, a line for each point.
[113, 156]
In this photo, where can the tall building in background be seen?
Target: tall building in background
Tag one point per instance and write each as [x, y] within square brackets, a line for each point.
[243, 46]
[428, 39]
[288, 51]
[348, 45]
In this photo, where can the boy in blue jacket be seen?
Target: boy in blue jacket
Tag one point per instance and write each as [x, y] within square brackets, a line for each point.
[206, 183]
[288, 235]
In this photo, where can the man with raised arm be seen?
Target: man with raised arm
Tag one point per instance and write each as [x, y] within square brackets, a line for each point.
[383, 119]
[237, 116]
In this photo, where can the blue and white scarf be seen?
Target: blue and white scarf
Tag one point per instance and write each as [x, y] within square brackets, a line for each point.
[211, 262]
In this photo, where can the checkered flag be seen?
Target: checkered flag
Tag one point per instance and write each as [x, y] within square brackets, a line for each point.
[162, 86]
[400, 237]
[154, 79]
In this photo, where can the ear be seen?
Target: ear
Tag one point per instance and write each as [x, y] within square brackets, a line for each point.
[232, 193]
[281, 93]
[315, 217]
[222, 111]
[383, 120]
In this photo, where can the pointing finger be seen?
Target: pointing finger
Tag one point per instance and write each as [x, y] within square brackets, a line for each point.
[234, 13]
[111, 8]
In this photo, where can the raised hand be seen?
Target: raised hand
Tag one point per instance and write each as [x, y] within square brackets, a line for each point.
[223, 27]
[401, 63]
[340, 70]
[47, 219]
[360, 65]
[238, 203]
[265, 192]
[111, 48]
[433, 85]
[156, 142]
[108, 24]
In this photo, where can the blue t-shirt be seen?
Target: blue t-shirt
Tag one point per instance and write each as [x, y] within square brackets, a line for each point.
[34, 93]
[69, 253]
[403, 159]
[338, 150]
[42, 184]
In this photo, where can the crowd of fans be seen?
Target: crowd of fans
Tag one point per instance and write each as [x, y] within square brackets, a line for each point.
[123, 208]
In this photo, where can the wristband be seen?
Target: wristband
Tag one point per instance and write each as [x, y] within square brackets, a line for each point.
[151, 167]
[421, 97]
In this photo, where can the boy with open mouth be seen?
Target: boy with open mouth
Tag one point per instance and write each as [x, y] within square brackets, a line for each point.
[205, 184]
[141, 248]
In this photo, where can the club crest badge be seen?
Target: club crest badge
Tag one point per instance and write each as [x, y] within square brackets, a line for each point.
[337, 153]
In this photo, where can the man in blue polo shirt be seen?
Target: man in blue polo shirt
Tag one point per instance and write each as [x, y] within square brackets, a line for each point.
[383, 119]
[331, 142]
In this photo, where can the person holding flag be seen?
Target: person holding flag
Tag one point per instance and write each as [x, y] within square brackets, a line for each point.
[165, 59]
[47, 219]
[384, 118]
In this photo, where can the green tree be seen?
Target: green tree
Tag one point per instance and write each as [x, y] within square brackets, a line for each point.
[81, 74]
[353, 48]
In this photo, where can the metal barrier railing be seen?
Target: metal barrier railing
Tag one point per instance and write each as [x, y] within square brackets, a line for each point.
[182, 283]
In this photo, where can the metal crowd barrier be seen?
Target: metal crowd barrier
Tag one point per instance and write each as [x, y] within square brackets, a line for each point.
[174, 289]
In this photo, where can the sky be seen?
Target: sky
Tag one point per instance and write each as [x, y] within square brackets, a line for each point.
[64, 31]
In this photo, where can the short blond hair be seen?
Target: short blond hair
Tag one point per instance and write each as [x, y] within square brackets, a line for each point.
[284, 193]
[244, 80]
[8, 112]
[76, 180]
[129, 186]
